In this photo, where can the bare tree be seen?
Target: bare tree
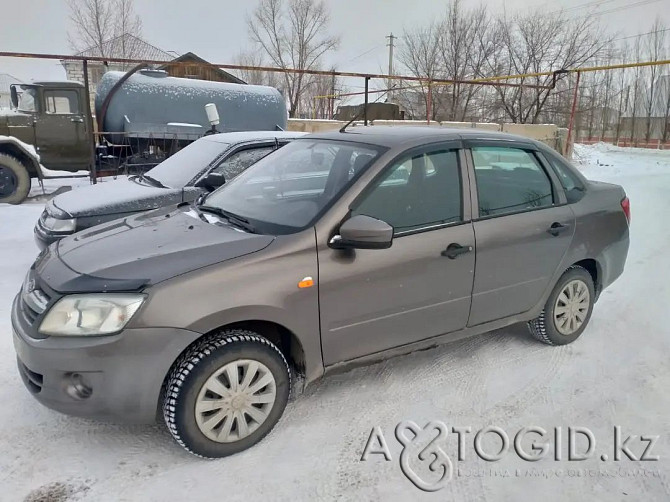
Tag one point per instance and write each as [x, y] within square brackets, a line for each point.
[103, 25]
[465, 45]
[655, 51]
[452, 48]
[420, 55]
[624, 92]
[257, 77]
[293, 35]
[127, 22]
[635, 97]
[665, 91]
[534, 43]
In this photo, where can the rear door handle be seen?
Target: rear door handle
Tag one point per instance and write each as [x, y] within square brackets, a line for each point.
[556, 228]
[454, 250]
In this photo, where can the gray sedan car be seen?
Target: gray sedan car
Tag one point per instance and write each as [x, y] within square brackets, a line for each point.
[180, 178]
[339, 249]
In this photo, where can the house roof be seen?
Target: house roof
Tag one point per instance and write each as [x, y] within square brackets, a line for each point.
[191, 57]
[128, 46]
[6, 80]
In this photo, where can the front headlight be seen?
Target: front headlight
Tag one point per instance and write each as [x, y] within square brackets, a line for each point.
[94, 314]
[56, 225]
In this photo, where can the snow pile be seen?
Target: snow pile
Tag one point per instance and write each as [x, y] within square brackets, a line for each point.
[602, 159]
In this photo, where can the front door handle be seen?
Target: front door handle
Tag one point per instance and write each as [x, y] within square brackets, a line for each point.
[454, 250]
[79, 120]
[556, 228]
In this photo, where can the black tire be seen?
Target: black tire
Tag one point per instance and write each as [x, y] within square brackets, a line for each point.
[544, 327]
[197, 365]
[14, 180]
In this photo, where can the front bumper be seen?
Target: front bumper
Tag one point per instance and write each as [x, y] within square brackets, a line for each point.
[116, 378]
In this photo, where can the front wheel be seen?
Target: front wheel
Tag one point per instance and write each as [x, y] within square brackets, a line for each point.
[14, 180]
[568, 309]
[226, 393]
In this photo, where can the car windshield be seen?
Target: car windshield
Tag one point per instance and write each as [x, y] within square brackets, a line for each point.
[284, 192]
[177, 170]
[28, 99]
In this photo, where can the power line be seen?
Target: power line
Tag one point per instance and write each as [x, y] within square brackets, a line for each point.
[621, 7]
[595, 3]
[641, 34]
[367, 52]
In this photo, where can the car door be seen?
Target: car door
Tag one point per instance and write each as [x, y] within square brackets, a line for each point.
[522, 226]
[373, 300]
[61, 132]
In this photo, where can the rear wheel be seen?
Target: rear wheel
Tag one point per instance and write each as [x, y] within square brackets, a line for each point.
[14, 180]
[226, 393]
[568, 309]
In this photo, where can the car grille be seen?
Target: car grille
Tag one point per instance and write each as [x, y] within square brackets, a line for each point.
[33, 381]
[34, 299]
[33, 304]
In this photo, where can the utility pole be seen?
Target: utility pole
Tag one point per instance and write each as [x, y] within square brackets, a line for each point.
[332, 97]
[390, 45]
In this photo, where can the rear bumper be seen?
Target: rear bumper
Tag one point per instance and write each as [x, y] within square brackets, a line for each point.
[116, 378]
[612, 261]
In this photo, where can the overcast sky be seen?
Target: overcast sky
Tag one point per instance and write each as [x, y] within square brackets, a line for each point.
[216, 29]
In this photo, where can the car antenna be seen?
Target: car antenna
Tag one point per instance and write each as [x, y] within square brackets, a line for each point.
[362, 112]
[356, 117]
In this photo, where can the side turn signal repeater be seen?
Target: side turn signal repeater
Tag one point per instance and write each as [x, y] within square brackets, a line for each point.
[307, 282]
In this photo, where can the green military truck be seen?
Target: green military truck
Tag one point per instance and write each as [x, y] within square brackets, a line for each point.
[46, 125]
[141, 116]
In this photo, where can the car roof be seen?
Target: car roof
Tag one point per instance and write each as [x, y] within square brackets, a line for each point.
[245, 136]
[390, 136]
[70, 84]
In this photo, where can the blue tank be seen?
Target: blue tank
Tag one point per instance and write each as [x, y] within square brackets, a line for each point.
[151, 104]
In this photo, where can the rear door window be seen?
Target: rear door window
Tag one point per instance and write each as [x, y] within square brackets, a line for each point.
[510, 180]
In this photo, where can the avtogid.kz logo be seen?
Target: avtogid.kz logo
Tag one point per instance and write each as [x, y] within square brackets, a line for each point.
[424, 461]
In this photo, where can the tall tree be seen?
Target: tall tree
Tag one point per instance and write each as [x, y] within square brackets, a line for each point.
[293, 34]
[96, 23]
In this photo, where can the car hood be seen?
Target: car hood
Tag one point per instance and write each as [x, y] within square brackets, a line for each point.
[130, 253]
[114, 197]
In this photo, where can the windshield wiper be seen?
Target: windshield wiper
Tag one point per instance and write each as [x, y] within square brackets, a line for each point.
[152, 181]
[235, 219]
[196, 208]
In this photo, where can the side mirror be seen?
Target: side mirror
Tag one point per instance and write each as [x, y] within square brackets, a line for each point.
[14, 97]
[363, 232]
[212, 181]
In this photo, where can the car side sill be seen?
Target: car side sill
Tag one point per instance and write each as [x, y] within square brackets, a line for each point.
[428, 343]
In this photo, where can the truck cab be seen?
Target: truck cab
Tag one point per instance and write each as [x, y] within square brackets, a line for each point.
[52, 117]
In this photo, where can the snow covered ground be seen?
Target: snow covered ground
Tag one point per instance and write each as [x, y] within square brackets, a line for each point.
[617, 373]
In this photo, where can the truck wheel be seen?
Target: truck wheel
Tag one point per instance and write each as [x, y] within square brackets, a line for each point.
[568, 309]
[226, 393]
[14, 180]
